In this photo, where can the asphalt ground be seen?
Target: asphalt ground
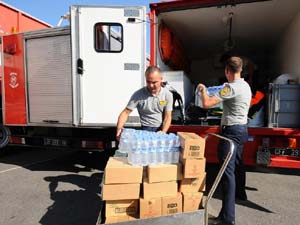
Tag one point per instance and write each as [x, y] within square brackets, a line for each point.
[62, 187]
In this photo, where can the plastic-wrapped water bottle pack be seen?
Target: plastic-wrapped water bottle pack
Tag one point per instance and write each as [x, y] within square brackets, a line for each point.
[210, 92]
[146, 148]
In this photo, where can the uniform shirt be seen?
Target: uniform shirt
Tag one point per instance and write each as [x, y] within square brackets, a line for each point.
[236, 97]
[151, 107]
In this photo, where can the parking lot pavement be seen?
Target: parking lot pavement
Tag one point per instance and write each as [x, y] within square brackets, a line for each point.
[54, 187]
[273, 197]
[50, 187]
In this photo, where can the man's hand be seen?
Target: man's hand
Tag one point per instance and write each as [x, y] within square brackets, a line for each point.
[118, 134]
[201, 88]
[121, 121]
[161, 132]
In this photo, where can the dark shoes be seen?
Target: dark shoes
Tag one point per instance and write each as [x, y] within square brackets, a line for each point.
[218, 221]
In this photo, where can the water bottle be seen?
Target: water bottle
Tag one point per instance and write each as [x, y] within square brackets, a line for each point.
[169, 146]
[198, 99]
[160, 150]
[153, 148]
[176, 149]
[144, 151]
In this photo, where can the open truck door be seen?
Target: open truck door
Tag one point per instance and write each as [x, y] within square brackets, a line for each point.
[108, 52]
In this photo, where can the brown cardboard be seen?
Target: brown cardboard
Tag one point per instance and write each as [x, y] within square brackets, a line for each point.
[172, 204]
[191, 201]
[117, 219]
[193, 184]
[120, 191]
[118, 171]
[164, 172]
[121, 208]
[192, 145]
[150, 207]
[193, 168]
[154, 190]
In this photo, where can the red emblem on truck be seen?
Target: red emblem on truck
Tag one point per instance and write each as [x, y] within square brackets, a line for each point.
[13, 80]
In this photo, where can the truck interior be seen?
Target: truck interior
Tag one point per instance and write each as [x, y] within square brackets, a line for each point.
[265, 33]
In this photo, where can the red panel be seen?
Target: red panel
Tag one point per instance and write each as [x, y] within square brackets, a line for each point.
[27, 24]
[278, 137]
[153, 41]
[285, 161]
[14, 20]
[14, 81]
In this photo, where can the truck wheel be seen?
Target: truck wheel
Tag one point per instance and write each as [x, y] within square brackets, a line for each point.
[4, 136]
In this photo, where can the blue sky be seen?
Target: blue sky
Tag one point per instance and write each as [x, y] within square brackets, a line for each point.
[50, 11]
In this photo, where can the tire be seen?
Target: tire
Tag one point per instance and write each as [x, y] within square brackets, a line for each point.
[4, 136]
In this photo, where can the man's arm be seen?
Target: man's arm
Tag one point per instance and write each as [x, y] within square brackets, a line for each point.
[167, 121]
[121, 121]
[207, 101]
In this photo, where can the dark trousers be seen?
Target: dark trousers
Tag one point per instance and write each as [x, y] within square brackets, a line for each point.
[234, 177]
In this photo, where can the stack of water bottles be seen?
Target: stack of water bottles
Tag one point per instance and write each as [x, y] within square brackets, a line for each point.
[210, 92]
[147, 148]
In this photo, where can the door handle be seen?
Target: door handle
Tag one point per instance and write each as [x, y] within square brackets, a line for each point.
[79, 66]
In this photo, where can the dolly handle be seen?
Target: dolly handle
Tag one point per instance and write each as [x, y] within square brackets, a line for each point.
[220, 174]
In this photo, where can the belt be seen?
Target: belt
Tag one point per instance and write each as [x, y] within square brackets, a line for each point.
[235, 125]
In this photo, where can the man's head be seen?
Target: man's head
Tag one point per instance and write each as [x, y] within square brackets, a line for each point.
[233, 68]
[153, 79]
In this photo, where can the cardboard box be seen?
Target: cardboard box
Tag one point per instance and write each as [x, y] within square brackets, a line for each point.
[117, 219]
[164, 172]
[118, 171]
[120, 191]
[193, 168]
[193, 184]
[191, 201]
[121, 208]
[172, 204]
[150, 207]
[155, 190]
[192, 145]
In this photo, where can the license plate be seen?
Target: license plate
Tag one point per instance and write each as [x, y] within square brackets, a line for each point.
[55, 142]
[295, 152]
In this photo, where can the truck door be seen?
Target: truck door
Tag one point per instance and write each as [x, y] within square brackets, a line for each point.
[108, 61]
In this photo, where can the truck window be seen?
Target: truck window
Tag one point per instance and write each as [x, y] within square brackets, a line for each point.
[108, 37]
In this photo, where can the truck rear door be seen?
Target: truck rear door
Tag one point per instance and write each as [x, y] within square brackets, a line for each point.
[108, 51]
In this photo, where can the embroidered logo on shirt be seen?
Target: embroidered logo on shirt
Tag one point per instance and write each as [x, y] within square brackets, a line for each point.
[225, 91]
[163, 102]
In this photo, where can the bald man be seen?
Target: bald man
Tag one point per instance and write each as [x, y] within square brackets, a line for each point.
[153, 102]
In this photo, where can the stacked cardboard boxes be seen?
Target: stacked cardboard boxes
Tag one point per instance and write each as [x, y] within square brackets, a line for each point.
[121, 190]
[192, 158]
[160, 191]
[126, 199]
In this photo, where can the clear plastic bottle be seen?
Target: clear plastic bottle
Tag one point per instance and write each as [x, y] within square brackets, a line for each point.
[144, 151]
[153, 150]
[176, 149]
[169, 146]
[160, 150]
[138, 151]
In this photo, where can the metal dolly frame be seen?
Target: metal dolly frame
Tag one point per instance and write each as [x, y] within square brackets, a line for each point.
[200, 216]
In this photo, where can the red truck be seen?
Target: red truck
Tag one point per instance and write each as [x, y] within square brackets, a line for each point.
[66, 86]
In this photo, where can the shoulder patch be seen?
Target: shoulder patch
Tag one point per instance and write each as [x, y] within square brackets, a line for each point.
[163, 102]
[225, 91]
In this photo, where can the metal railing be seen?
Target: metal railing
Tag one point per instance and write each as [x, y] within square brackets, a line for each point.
[220, 173]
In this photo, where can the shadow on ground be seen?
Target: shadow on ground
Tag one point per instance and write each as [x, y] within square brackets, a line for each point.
[212, 171]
